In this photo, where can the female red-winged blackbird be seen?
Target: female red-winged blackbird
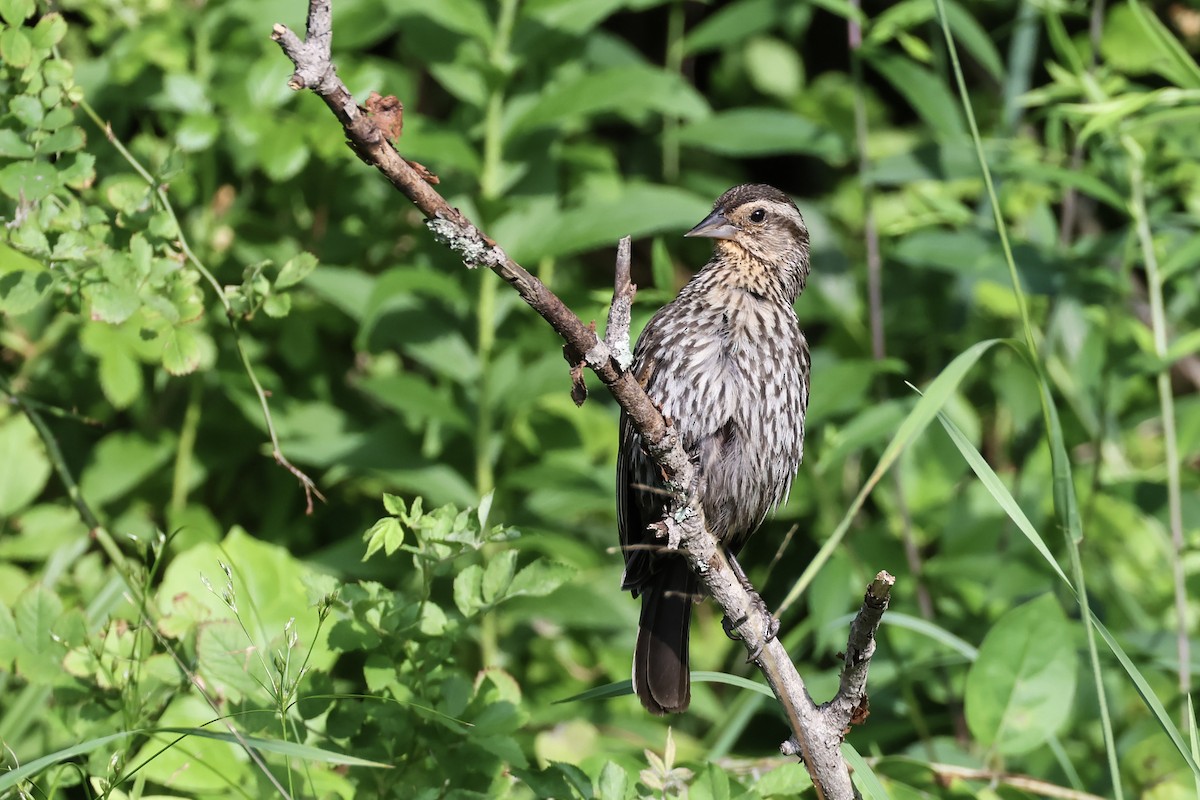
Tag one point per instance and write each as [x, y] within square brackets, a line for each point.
[729, 366]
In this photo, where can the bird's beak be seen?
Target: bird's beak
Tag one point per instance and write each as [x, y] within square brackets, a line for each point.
[714, 226]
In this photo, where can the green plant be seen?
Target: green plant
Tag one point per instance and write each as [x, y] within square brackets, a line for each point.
[185, 239]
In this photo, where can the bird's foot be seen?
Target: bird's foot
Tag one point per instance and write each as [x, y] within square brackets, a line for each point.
[759, 605]
[772, 631]
[731, 627]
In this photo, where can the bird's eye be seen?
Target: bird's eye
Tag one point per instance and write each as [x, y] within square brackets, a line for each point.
[758, 215]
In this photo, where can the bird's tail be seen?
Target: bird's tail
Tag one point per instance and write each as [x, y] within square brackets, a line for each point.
[661, 675]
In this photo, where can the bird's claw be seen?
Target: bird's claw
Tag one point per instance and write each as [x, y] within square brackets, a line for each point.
[731, 627]
[771, 632]
[731, 630]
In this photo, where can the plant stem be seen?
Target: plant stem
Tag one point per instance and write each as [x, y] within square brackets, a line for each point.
[1166, 401]
[490, 189]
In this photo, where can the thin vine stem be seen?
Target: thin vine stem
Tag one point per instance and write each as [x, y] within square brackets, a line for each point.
[306, 483]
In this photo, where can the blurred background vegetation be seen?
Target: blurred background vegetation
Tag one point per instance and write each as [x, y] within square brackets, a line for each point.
[158, 569]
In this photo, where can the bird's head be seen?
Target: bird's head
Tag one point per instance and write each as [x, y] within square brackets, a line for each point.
[758, 222]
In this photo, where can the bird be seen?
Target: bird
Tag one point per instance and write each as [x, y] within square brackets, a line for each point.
[728, 365]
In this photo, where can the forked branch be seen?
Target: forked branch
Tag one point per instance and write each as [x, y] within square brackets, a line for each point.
[817, 732]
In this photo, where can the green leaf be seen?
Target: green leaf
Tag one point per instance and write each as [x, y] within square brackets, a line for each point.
[467, 17]
[269, 588]
[785, 780]
[732, 23]
[184, 92]
[181, 350]
[15, 47]
[30, 181]
[710, 783]
[905, 16]
[1136, 41]
[924, 91]
[612, 783]
[121, 462]
[221, 650]
[120, 377]
[774, 67]
[843, 9]
[498, 575]
[79, 172]
[703, 676]
[976, 41]
[1020, 689]
[277, 306]
[58, 117]
[197, 131]
[12, 145]
[64, 140]
[386, 534]
[58, 73]
[295, 270]
[24, 467]
[113, 303]
[571, 16]
[761, 132]
[21, 290]
[15, 12]
[35, 614]
[1086, 182]
[630, 91]
[282, 157]
[540, 578]
[27, 109]
[395, 505]
[413, 396]
[49, 31]
[467, 590]
[127, 193]
[636, 211]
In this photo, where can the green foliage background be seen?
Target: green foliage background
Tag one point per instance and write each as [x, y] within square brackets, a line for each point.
[172, 622]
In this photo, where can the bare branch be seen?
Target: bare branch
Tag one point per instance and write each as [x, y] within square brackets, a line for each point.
[849, 706]
[813, 728]
[616, 333]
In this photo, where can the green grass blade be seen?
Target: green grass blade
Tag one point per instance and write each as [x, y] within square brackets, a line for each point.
[1191, 716]
[614, 689]
[927, 407]
[1148, 697]
[701, 676]
[1065, 503]
[1001, 494]
[622, 688]
[277, 746]
[898, 619]
[27, 771]
[1184, 69]
[865, 779]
